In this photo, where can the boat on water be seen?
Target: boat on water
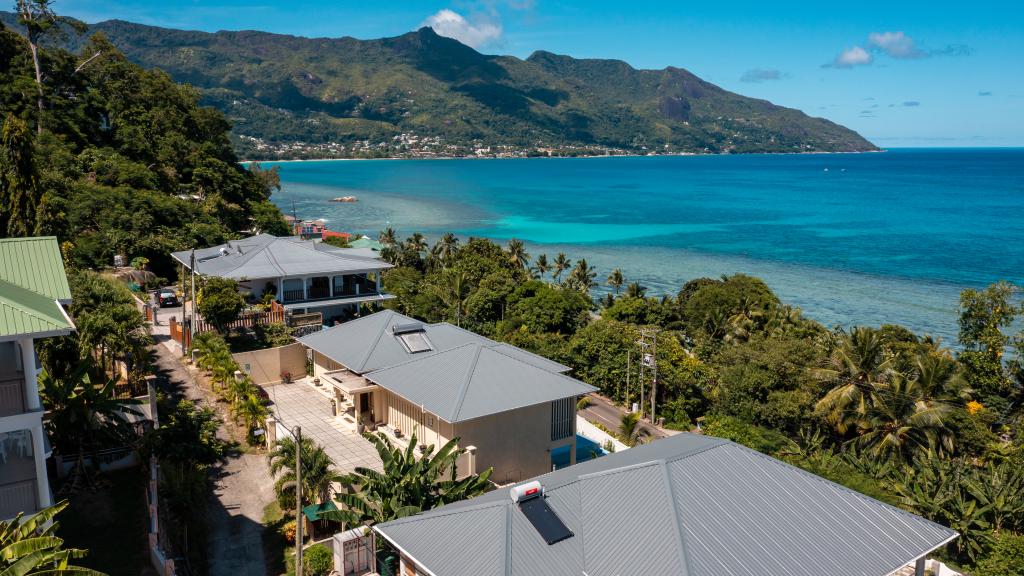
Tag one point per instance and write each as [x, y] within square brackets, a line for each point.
[345, 199]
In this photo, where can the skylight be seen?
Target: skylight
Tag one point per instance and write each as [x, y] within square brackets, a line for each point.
[415, 342]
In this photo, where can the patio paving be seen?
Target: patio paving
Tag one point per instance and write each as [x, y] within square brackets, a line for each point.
[301, 404]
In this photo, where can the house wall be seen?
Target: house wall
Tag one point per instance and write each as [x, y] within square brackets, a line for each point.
[322, 364]
[517, 443]
[23, 480]
[266, 366]
[409, 417]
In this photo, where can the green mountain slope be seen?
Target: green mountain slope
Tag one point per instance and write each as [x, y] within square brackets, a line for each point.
[285, 89]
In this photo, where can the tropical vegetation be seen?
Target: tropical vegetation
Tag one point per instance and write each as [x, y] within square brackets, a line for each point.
[29, 546]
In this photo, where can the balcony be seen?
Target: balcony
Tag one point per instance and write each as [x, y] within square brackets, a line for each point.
[12, 393]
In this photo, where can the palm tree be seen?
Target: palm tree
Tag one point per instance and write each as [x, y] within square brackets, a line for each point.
[30, 546]
[446, 247]
[561, 265]
[452, 289]
[251, 413]
[408, 484]
[582, 277]
[416, 243]
[85, 417]
[939, 378]
[635, 290]
[517, 253]
[631, 430]
[899, 423]
[541, 266]
[387, 237]
[616, 280]
[317, 472]
[857, 367]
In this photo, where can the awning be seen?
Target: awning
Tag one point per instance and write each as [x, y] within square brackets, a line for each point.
[348, 382]
[313, 512]
[311, 305]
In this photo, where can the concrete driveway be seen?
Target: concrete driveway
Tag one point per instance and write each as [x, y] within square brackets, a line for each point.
[301, 404]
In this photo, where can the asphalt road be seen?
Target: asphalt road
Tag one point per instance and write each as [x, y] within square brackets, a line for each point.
[602, 411]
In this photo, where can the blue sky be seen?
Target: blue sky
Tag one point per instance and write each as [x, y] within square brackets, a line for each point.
[902, 73]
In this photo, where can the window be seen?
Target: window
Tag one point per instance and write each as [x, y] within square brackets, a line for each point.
[562, 414]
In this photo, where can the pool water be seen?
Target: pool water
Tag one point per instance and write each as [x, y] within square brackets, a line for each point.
[586, 449]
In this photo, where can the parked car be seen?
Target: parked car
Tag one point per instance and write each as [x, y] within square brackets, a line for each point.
[166, 298]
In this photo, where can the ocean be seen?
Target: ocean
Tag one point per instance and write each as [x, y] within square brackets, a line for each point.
[852, 239]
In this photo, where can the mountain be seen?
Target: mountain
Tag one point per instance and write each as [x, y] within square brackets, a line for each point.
[279, 90]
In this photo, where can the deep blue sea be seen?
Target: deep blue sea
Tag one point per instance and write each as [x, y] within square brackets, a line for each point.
[853, 239]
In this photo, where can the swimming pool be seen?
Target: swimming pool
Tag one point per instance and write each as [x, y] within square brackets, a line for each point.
[586, 449]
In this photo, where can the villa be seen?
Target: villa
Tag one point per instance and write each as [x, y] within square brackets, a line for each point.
[305, 275]
[392, 373]
[33, 292]
[685, 505]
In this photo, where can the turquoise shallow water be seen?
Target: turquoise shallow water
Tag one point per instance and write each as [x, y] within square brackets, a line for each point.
[851, 238]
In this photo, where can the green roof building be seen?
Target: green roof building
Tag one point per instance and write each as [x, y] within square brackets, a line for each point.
[33, 292]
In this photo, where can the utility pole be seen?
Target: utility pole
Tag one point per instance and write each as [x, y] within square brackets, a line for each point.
[648, 344]
[629, 353]
[298, 500]
[192, 314]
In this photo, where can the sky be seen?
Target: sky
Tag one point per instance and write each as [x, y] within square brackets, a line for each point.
[902, 73]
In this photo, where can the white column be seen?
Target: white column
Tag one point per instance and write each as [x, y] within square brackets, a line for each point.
[28, 363]
[378, 281]
[39, 454]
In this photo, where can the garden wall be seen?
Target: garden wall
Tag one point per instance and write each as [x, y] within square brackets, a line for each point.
[266, 366]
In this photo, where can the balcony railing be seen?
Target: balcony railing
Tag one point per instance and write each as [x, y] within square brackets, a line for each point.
[294, 295]
[366, 288]
[12, 394]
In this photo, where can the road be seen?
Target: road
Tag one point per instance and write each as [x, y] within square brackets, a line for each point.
[242, 486]
[602, 411]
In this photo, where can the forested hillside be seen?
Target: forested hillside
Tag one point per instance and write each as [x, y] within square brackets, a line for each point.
[115, 159]
[285, 89]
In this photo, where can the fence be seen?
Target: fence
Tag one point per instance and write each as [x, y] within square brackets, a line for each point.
[268, 366]
[275, 315]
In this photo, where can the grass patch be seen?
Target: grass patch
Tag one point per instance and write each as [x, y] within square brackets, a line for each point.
[277, 551]
[110, 523]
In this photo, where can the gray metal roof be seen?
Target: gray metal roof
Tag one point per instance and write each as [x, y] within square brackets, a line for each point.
[687, 505]
[366, 344]
[266, 256]
[475, 380]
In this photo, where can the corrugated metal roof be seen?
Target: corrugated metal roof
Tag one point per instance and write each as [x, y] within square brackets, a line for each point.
[266, 256]
[366, 344]
[474, 380]
[35, 264]
[689, 505]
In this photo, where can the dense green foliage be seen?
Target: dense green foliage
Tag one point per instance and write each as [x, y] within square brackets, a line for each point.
[882, 410]
[243, 396]
[219, 301]
[317, 560]
[29, 546]
[287, 89]
[119, 160]
[410, 483]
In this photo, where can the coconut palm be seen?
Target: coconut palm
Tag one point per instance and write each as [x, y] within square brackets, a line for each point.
[631, 429]
[446, 247]
[560, 265]
[452, 289]
[517, 253]
[388, 237]
[857, 366]
[616, 280]
[30, 546]
[939, 378]
[416, 243]
[541, 266]
[407, 484]
[897, 422]
[582, 277]
[317, 472]
[635, 290]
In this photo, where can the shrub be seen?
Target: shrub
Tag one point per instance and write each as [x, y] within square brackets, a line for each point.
[317, 561]
[1005, 559]
[751, 436]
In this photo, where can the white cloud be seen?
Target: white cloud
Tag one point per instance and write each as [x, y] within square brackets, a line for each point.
[476, 34]
[895, 44]
[853, 56]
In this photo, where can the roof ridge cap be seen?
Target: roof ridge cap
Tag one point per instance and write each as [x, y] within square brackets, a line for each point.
[369, 351]
[677, 522]
[440, 511]
[469, 377]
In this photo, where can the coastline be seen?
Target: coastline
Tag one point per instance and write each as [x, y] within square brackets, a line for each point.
[582, 156]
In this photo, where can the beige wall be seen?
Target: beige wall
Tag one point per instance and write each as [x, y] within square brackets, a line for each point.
[266, 366]
[323, 364]
[517, 444]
